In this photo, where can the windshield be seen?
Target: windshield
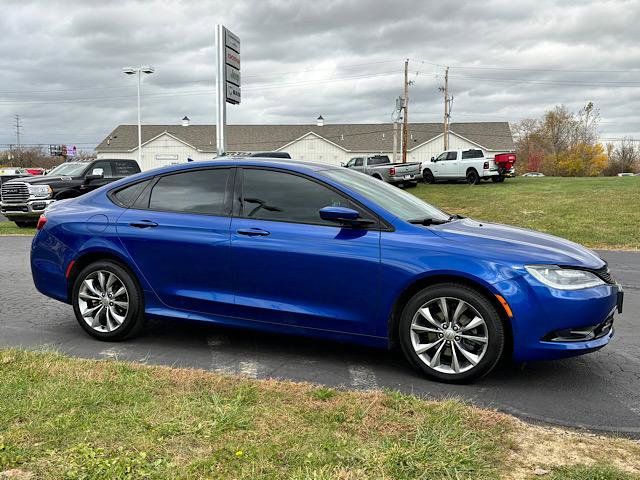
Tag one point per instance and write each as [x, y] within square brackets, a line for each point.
[394, 200]
[68, 169]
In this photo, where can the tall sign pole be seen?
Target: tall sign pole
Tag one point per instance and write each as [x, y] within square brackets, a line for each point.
[227, 80]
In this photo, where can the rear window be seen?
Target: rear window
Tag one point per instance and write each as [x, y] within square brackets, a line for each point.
[378, 160]
[472, 154]
[123, 168]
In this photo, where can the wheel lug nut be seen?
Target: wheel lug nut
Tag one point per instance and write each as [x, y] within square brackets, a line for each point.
[455, 328]
[457, 339]
[111, 304]
[441, 335]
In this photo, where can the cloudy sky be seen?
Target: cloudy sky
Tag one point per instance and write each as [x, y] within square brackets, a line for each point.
[61, 61]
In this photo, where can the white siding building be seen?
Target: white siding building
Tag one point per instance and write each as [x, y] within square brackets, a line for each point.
[333, 144]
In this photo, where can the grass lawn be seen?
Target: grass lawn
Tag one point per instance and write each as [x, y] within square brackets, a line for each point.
[10, 228]
[81, 419]
[601, 212]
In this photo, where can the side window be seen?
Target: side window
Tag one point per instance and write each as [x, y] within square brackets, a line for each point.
[271, 195]
[452, 155]
[128, 195]
[359, 162]
[442, 156]
[121, 168]
[195, 191]
[351, 162]
[105, 166]
[473, 153]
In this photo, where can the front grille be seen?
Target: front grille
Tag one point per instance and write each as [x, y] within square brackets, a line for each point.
[605, 274]
[14, 192]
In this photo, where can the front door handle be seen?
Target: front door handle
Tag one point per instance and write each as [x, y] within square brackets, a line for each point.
[252, 232]
[144, 224]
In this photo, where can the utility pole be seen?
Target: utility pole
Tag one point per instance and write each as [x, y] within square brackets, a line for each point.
[446, 108]
[405, 119]
[18, 127]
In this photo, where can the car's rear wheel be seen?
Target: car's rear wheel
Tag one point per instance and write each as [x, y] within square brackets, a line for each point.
[472, 177]
[452, 333]
[497, 179]
[107, 301]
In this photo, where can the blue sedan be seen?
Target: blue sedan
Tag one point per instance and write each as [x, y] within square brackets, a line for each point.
[315, 250]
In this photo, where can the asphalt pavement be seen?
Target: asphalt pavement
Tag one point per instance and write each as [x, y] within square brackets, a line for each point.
[599, 392]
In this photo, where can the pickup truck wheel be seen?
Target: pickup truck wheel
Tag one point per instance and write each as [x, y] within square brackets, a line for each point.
[428, 176]
[107, 301]
[26, 223]
[497, 179]
[452, 333]
[472, 177]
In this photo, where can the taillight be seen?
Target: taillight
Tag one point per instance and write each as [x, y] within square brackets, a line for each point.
[392, 171]
[486, 165]
[41, 222]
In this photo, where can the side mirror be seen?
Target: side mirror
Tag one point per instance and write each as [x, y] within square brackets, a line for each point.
[433, 159]
[343, 215]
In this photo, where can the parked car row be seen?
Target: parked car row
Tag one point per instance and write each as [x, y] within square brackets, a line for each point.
[24, 198]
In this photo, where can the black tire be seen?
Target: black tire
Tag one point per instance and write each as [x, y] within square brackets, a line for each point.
[497, 179]
[134, 318]
[428, 177]
[493, 328]
[411, 184]
[472, 177]
[377, 177]
[26, 223]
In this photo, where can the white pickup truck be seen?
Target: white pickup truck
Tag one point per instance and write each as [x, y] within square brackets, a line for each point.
[471, 165]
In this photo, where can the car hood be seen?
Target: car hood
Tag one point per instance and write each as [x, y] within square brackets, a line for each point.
[520, 245]
[41, 179]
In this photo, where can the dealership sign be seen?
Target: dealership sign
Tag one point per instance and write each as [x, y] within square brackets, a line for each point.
[232, 67]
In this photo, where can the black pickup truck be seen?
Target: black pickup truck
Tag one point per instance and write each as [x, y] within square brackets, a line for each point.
[22, 200]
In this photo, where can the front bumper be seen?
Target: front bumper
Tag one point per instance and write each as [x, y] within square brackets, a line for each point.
[30, 209]
[549, 324]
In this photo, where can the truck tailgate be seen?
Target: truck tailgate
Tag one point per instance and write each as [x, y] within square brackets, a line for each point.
[407, 168]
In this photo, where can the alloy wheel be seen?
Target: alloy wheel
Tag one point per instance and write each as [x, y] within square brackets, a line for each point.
[449, 335]
[103, 301]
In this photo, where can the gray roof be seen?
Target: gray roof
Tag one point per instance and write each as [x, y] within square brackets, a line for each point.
[361, 137]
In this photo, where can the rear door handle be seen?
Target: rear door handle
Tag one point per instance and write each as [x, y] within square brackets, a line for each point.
[253, 232]
[144, 224]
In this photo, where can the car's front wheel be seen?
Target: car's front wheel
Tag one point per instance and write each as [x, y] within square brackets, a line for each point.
[107, 301]
[452, 333]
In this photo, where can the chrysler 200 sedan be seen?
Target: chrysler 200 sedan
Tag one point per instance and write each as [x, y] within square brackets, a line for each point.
[315, 250]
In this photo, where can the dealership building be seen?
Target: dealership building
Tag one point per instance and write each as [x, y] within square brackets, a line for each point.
[333, 144]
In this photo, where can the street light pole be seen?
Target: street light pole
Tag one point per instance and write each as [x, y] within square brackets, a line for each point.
[139, 121]
[139, 71]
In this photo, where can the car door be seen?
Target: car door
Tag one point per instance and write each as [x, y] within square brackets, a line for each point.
[358, 164]
[290, 266]
[438, 166]
[451, 164]
[177, 233]
[102, 167]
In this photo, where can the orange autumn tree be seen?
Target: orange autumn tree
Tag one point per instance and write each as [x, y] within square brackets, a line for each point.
[582, 160]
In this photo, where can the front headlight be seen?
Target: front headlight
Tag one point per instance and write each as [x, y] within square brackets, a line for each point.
[564, 278]
[41, 191]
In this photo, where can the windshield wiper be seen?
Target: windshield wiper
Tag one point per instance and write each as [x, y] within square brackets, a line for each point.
[455, 216]
[427, 221]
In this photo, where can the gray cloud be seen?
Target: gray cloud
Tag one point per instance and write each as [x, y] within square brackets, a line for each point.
[61, 61]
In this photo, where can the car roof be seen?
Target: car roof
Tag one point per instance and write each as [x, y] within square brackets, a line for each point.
[289, 164]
